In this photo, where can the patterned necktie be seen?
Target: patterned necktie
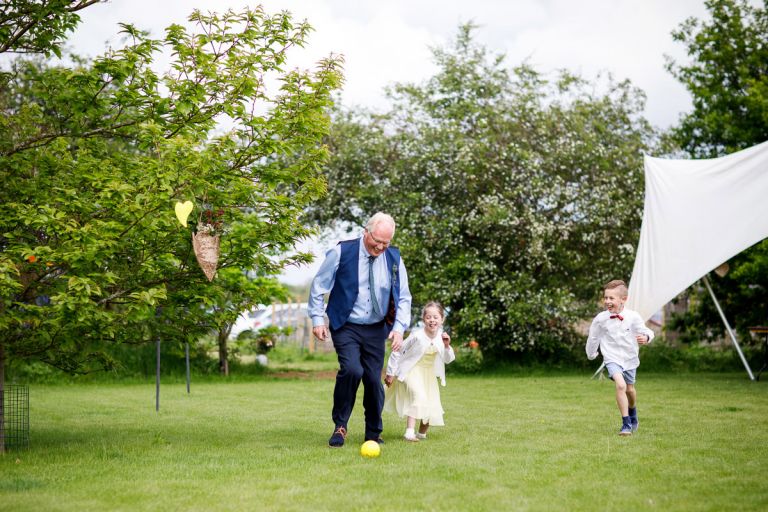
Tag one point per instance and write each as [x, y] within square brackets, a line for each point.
[376, 310]
[617, 316]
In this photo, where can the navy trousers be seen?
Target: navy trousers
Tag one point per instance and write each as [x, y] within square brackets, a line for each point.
[360, 349]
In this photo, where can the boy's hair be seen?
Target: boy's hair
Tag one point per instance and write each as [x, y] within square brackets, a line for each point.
[433, 304]
[616, 283]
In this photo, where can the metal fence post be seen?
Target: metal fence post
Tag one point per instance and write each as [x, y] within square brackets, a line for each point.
[157, 377]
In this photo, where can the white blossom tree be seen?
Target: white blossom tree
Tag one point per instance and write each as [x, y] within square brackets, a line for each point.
[516, 197]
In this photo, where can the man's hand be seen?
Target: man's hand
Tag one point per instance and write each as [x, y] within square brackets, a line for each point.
[320, 332]
[388, 380]
[397, 340]
[642, 339]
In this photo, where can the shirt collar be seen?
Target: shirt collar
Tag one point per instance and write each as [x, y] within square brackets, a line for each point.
[364, 254]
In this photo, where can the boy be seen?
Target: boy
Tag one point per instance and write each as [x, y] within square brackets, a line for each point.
[618, 332]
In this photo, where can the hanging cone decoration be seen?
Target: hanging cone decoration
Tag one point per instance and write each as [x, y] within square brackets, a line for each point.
[206, 246]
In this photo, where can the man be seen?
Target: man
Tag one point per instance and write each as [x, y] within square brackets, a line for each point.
[369, 301]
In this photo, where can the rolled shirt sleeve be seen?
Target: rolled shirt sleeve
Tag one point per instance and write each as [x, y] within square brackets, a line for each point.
[322, 284]
[403, 317]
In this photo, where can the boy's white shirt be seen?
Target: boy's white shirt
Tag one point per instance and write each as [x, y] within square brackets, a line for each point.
[616, 338]
[413, 348]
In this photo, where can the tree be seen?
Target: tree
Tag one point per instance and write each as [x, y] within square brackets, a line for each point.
[93, 157]
[239, 292]
[32, 26]
[516, 197]
[727, 76]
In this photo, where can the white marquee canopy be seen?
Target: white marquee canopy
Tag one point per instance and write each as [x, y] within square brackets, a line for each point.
[697, 215]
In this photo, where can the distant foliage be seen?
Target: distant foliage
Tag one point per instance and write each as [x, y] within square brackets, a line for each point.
[727, 76]
[262, 340]
[32, 26]
[516, 195]
[469, 359]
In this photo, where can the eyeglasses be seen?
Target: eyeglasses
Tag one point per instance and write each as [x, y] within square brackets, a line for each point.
[378, 242]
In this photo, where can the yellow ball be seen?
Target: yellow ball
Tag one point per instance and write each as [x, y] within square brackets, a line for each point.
[370, 449]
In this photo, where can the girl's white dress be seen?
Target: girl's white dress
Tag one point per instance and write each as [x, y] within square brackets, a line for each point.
[415, 391]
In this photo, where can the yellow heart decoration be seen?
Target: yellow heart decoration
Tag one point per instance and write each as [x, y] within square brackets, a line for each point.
[183, 210]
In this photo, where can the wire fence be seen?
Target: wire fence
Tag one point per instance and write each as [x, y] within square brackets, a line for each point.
[14, 422]
[294, 316]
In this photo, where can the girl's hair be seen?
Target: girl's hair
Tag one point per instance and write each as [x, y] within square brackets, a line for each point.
[433, 304]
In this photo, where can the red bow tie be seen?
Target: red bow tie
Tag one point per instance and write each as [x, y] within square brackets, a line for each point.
[617, 316]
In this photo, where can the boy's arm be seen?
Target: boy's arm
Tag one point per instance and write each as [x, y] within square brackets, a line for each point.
[593, 342]
[639, 328]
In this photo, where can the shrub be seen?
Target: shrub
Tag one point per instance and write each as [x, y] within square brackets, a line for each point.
[262, 340]
[469, 358]
[662, 357]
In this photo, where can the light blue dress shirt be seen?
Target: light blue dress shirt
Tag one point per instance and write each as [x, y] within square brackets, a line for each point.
[362, 311]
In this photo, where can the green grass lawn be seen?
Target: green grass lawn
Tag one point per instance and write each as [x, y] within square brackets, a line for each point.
[510, 443]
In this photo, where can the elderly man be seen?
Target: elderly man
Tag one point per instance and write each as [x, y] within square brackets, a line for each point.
[369, 302]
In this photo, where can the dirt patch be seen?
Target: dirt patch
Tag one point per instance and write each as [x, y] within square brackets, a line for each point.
[318, 375]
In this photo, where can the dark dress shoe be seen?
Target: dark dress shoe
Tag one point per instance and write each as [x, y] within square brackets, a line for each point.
[338, 437]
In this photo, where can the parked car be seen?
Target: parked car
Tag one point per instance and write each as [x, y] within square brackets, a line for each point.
[283, 315]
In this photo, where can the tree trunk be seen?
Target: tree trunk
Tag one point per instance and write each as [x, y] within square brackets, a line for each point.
[223, 353]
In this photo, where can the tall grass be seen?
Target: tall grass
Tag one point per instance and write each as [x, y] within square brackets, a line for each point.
[510, 443]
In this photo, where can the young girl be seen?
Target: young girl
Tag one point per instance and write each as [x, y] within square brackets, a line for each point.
[418, 364]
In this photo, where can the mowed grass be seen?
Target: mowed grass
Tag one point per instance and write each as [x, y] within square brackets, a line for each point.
[510, 443]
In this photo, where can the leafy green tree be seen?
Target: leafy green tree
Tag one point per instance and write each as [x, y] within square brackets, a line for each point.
[94, 156]
[727, 76]
[516, 197]
[239, 292]
[34, 26]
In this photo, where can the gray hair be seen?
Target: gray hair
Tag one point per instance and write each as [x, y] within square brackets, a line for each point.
[377, 219]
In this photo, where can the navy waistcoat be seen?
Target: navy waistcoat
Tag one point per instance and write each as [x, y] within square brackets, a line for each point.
[346, 284]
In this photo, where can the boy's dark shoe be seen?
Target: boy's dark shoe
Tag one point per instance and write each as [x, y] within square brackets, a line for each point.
[378, 440]
[338, 437]
[634, 423]
[626, 430]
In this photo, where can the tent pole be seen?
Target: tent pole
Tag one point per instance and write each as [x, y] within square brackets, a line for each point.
[730, 331]
[599, 371]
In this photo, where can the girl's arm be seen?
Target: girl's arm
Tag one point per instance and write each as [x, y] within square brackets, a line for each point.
[394, 357]
[448, 354]
[392, 363]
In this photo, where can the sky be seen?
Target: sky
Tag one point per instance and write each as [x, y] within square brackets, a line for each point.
[384, 42]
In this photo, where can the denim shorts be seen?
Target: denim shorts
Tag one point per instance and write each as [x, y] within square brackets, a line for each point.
[629, 375]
